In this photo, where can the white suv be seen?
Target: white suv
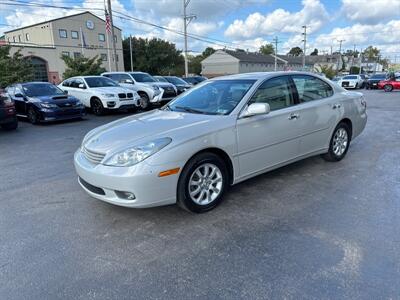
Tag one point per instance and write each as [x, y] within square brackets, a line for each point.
[351, 81]
[100, 93]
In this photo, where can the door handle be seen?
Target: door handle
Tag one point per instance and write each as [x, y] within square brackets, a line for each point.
[337, 105]
[293, 116]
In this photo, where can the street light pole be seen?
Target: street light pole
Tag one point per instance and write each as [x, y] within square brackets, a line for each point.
[304, 46]
[186, 20]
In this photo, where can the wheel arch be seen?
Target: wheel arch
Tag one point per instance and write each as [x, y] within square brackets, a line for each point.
[348, 122]
[223, 155]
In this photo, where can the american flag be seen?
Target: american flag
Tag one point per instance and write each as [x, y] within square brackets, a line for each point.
[108, 23]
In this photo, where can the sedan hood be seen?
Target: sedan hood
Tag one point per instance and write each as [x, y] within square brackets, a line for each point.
[150, 125]
[56, 99]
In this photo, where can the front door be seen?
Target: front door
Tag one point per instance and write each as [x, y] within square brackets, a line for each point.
[265, 141]
[19, 100]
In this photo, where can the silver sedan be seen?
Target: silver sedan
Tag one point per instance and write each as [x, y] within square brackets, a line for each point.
[219, 133]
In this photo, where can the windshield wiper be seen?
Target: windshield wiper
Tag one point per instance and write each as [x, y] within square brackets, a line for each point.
[191, 110]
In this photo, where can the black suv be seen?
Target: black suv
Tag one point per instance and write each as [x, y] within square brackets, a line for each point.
[8, 115]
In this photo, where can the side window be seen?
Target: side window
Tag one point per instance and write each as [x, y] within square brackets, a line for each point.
[397, 78]
[124, 77]
[276, 92]
[311, 88]
[10, 91]
[18, 90]
[66, 83]
[75, 83]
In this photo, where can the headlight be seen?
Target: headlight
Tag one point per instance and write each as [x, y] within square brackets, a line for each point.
[48, 105]
[108, 95]
[136, 154]
[156, 88]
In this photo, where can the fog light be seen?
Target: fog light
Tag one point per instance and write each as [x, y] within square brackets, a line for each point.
[125, 195]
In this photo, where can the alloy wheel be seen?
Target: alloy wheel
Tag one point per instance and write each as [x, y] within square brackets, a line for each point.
[340, 141]
[205, 184]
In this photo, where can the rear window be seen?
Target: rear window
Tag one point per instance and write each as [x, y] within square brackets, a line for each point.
[350, 77]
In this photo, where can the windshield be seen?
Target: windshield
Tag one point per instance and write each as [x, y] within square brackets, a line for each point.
[160, 79]
[176, 80]
[378, 76]
[100, 81]
[217, 97]
[350, 77]
[41, 89]
[142, 77]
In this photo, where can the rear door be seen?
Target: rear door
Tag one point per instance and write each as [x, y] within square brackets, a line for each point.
[265, 141]
[319, 111]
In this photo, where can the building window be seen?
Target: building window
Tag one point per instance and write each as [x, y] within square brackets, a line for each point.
[19, 38]
[63, 33]
[74, 35]
[102, 37]
[27, 37]
[103, 57]
[77, 54]
[65, 53]
[14, 39]
[116, 57]
[115, 39]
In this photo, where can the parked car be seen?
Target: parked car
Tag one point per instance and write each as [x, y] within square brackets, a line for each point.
[44, 102]
[194, 79]
[180, 84]
[148, 92]
[100, 94]
[351, 81]
[218, 133]
[390, 84]
[372, 82]
[364, 80]
[160, 78]
[8, 114]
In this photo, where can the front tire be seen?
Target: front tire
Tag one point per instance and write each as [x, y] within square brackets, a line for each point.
[144, 101]
[202, 183]
[97, 107]
[33, 116]
[339, 144]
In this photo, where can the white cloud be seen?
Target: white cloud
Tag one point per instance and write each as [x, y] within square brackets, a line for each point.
[371, 12]
[313, 14]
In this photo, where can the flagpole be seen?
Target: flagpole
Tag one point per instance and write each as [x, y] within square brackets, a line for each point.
[107, 40]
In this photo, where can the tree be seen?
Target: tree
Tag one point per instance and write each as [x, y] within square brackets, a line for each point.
[295, 51]
[82, 66]
[327, 70]
[267, 49]
[13, 68]
[207, 52]
[154, 56]
[371, 52]
[315, 52]
[351, 53]
[195, 63]
[354, 70]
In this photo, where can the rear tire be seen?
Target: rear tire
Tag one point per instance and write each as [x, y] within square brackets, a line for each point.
[33, 116]
[97, 107]
[10, 126]
[202, 183]
[388, 88]
[339, 144]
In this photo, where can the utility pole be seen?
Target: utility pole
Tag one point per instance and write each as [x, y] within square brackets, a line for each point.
[130, 51]
[186, 20]
[353, 57]
[340, 53]
[276, 53]
[361, 57]
[304, 46]
[113, 34]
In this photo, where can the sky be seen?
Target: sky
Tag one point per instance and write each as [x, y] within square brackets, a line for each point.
[245, 24]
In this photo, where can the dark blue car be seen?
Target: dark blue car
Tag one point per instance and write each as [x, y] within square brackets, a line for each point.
[44, 102]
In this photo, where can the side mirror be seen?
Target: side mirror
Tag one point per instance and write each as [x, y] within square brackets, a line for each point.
[255, 109]
[82, 86]
[130, 81]
[65, 92]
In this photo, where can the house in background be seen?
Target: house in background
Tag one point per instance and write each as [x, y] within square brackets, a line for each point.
[226, 62]
[75, 35]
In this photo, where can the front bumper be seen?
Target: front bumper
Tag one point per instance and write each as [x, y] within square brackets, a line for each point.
[49, 115]
[158, 98]
[349, 85]
[117, 103]
[141, 180]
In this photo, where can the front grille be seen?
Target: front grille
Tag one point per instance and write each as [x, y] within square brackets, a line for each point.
[122, 96]
[345, 83]
[92, 188]
[130, 95]
[92, 156]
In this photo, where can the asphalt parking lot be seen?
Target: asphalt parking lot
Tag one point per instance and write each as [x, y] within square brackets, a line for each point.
[312, 230]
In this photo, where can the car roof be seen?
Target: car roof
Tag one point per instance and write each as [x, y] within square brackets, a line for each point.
[263, 75]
